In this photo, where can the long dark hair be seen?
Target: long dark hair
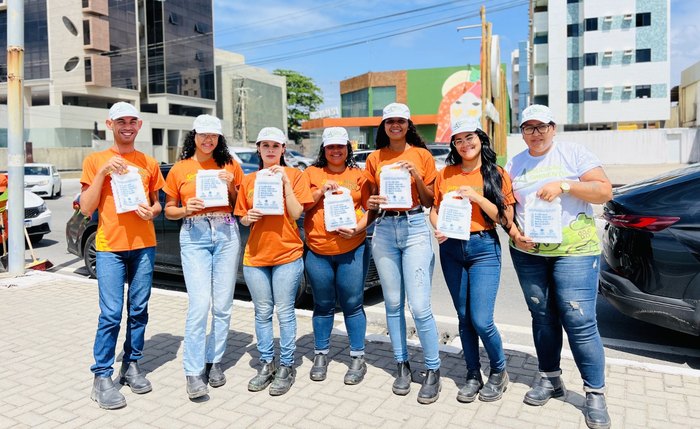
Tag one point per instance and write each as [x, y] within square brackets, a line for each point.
[321, 160]
[221, 155]
[412, 136]
[283, 163]
[491, 172]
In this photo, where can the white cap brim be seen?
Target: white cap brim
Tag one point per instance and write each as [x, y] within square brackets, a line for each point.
[339, 141]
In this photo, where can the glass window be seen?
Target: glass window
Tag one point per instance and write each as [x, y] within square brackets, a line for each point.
[88, 69]
[590, 94]
[591, 24]
[643, 19]
[354, 104]
[643, 55]
[69, 25]
[642, 91]
[572, 1]
[573, 63]
[122, 45]
[540, 39]
[86, 32]
[591, 59]
[381, 96]
[573, 30]
[573, 97]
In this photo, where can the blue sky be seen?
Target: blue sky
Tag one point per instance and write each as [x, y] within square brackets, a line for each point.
[331, 40]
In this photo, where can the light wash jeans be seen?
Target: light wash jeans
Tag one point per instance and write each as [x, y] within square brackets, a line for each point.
[402, 248]
[562, 292]
[339, 278]
[209, 249]
[472, 270]
[269, 287]
[114, 269]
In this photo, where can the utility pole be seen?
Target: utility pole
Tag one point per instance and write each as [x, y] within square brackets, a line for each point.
[243, 98]
[15, 135]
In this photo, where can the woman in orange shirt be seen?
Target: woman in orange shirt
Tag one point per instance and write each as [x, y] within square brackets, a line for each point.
[402, 247]
[209, 250]
[337, 261]
[472, 267]
[272, 262]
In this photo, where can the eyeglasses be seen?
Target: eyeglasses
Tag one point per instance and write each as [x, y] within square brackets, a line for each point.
[530, 130]
[464, 140]
[210, 137]
[392, 121]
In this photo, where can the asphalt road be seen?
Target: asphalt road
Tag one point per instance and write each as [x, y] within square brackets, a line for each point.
[624, 338]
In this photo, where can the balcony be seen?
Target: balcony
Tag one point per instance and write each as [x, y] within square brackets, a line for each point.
[541, 85]
[541, 54]
[96, 7]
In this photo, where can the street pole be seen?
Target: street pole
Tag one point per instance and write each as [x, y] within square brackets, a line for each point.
[15, 135]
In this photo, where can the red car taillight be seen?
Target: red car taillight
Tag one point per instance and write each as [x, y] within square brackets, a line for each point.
[648, 223]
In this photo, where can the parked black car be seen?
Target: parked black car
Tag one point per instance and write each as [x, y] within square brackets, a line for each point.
[81, 231]
[650, 269]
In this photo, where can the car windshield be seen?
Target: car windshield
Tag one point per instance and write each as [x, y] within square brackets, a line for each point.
[249, 157]
[36, 171]
[437, 151]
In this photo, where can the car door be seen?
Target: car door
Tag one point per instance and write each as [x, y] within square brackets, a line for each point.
[167, 235]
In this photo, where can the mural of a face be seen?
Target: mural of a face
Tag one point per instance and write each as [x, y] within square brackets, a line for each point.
[467, 106]
[461, 99]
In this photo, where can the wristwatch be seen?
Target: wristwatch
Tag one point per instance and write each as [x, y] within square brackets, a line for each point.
[565, 187]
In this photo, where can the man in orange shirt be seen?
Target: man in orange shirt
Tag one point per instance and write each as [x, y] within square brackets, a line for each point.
[125, 245]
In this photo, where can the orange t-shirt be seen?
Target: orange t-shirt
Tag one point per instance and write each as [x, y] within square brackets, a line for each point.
[274, 239]
[452, 177]
[317, 238]
[181, 182]
[420, 157]
[126, 231]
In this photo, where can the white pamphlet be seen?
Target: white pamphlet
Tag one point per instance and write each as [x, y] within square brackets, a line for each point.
[339, 209]
[455, 216]
[128, 190]
[395, 185]
[210, 189]
[268, 196]
[543, 220]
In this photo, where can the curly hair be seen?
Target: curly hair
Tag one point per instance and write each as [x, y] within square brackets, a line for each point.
[283, 163]
[221, 154]
[491, 173]
[412, 136]
[321, 160]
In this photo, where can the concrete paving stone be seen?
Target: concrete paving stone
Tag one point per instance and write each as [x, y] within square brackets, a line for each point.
[657, 411]
[664, 424]
[31, 419]
[169, 422]
[671, 380]
[49, 424]
[635, 402]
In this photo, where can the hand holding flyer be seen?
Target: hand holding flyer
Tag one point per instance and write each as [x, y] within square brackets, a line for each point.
[395, 185]
[211, 189]
[543, 220]
[455, 216]
[339, 209]
[268, 196]
[128, 190]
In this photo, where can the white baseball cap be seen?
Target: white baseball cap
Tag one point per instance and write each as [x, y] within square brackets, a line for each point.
[335, 135]
[271, 134]
[537, 112]
[207, 124]
[465, 126]
[396, 110]
[121, 109]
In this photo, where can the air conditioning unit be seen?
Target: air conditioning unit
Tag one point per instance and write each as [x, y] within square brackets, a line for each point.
[608, 18]
[628, 52]
[607, 54]
[627, 88]
[627, 17]
[608, 89]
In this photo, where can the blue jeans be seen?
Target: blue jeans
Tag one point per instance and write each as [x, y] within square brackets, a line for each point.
[402, 247]
[209, 249]
[342, 278]
[561, 292]
[269, 287]
[114, 269]
[472, 270]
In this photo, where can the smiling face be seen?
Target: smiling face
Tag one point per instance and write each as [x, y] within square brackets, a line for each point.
[538, 136]
[336, 154]
[206, 143]
[270, 152]
[125, 129]
[468, 145]
[396, 128]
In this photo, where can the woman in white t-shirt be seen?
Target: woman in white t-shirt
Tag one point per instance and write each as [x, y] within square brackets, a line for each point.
[560, 280]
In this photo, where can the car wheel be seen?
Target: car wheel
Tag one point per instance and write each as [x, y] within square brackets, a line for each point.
[90, 255]
[58, 194]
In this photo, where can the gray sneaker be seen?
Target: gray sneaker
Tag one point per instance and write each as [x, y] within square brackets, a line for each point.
[284, 378]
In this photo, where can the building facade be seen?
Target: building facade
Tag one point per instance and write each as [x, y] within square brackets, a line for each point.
[520, 81]
[82, 56]
[602, 64]
[437, 98]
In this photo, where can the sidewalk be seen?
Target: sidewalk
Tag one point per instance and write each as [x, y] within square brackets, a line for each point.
[48, 322]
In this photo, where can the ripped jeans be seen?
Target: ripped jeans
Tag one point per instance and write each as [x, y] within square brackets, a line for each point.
[402, 248]
[561, 292]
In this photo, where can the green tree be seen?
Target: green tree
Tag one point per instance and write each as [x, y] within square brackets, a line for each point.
[303, 97]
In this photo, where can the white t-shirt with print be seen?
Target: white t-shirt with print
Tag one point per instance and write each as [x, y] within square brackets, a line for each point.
[564, 161]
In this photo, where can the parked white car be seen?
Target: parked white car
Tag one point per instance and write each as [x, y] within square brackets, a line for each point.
[37, 217]
[42, 179]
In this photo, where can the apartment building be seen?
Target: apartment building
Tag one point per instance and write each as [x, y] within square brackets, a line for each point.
[519, 60]
[601, 64]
